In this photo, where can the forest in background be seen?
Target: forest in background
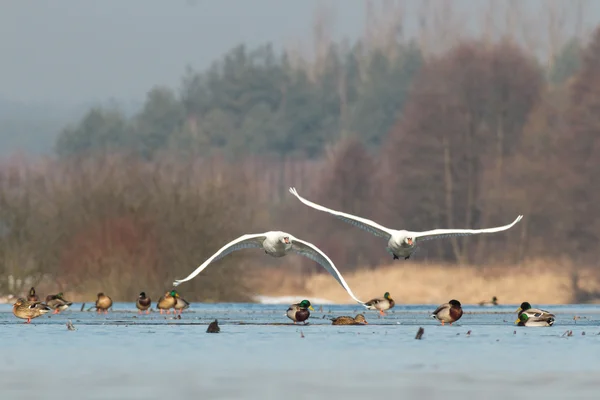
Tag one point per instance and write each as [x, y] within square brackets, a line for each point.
[441, 130]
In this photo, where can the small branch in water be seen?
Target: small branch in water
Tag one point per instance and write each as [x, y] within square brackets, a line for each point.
[301, 334]
[82, 307]
[420, 333]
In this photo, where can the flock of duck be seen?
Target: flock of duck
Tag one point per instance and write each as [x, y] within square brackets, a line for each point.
[400, 244]
[32, 307]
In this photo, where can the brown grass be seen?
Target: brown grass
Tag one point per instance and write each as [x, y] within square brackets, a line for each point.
[408, 283]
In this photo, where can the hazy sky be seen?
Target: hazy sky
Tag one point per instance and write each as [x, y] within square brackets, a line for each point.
[71, 51]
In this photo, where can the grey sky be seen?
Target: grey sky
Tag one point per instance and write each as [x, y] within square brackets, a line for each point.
[73, 51]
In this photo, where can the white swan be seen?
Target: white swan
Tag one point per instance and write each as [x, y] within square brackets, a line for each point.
[275, 244]
[401, 243]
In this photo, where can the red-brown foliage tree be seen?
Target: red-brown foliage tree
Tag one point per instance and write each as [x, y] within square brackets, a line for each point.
[464, 117]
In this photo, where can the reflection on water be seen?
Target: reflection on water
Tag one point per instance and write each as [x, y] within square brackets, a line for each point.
[126, 356]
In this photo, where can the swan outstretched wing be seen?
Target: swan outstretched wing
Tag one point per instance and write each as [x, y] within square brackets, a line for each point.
[363, 223]
[243, 242]
[311, 251]
[440, 233]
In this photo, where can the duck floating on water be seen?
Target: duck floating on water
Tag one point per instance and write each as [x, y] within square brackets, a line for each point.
[493, 302]
[213, 327]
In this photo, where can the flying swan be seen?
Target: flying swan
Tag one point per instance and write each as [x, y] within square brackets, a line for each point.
[401, 243]
[275, 244]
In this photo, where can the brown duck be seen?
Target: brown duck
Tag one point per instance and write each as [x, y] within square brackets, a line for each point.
[167, 301]
[344, 320]
[28, 310]
[103, 303]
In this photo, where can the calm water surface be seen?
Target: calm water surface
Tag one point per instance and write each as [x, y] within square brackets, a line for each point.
[259, 354]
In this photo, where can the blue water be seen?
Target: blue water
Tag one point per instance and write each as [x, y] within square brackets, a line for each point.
[259, 354]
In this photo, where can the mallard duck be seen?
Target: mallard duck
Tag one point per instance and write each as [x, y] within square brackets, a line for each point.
[180, 304]
[57, 302]
[493, 302]
[381, 303]
[448, 312]
[103, 303]
[167, 301]
[32, 296]
[344, 320]
[28, 310]
[213, 327]
[143, 303]
[299, 312]
[533, 315]
[543, 320]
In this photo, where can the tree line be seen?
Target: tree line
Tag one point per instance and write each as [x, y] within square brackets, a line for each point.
[469, 137]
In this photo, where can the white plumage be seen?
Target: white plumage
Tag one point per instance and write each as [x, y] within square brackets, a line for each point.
[275, 244]
[401, 243]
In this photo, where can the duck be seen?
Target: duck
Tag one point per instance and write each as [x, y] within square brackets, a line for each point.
[299, 312]
[213, 327]
[57, 302]
[543, 320]
[448, 312]
[143, 303]
[493, 302]
[534, 315]
[103, 303]
[168, 301]
[400, 243]
[381, 303]
[344, 320]
[180, 304]
[32, 296]
[275, 244]
[28, 310]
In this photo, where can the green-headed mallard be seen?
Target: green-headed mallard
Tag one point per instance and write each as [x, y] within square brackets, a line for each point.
[143, 303]
[167, 301]
[493, 302]
[535, 316]
[299, 312]
[29, 309]
[180, 304]
[448, 312]
[381, 303]
[103, 303]
[344, 320]
[542, 320]
[57, 302]
[32, 296]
